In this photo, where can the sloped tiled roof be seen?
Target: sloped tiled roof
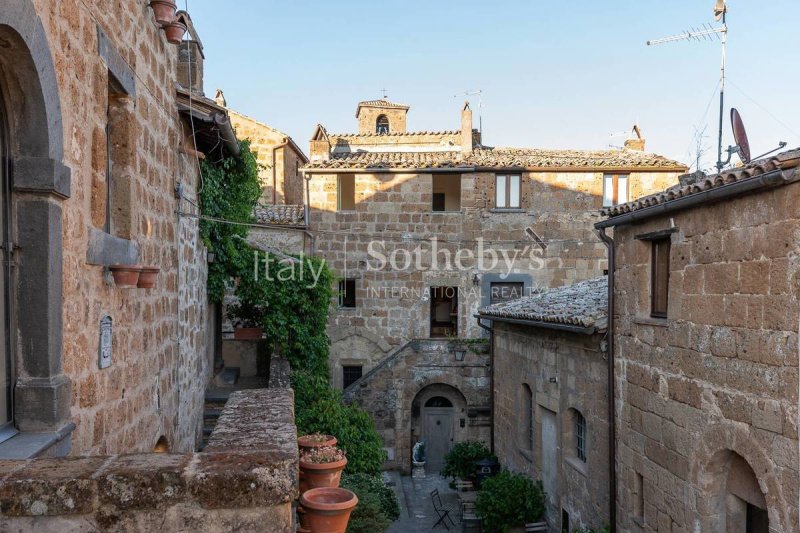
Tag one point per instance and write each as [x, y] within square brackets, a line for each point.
[395, 134]
[381, 103]
[583, 304]
[500, 158]
[786, 161]
[282, 215]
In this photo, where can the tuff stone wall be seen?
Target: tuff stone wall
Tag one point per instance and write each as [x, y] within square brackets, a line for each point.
[396, 208]
[719, 377]
[286, 160]
[127, 407]
[389, 391]
[247, 477]
[565, 371]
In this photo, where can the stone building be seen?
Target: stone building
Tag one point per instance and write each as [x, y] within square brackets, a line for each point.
[705, 341]
[551, 397]
[424, 228]
[98, 151]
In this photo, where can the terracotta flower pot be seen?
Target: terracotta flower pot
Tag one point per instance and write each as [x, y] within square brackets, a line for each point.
[175, 31]
[316, 441]
[302, 518]
[320, 475]
[248, 334]
[126, 276]
[164, 11]
[148, 277]
[328, 510]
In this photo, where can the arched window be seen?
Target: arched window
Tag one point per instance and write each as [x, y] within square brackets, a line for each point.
[382, 124]
[527, 413]
[438, 401]
[580, 435]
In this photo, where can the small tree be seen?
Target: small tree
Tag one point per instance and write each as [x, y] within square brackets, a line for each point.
[460, 461]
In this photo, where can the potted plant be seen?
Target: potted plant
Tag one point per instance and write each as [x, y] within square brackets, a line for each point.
[460, 461]
[246, 318]
[508, 501]
[315, 440]
[321, 467]
[147, 277]
[175, 31]
[164, 11]
[328, 509]
[125, 276]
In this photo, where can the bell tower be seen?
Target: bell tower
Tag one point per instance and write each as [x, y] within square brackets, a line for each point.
[381, 117]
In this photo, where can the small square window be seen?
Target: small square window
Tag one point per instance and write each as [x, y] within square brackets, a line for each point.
[351, 374]
[659, 278]
[347, 293]
[446, 191]
[615, 189]
[347, 193]
[503, 291]
[507, 190]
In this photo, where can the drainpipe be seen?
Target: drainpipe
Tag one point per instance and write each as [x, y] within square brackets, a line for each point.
[612, 422]
[284, 144]
[490, 329]
[307, 210]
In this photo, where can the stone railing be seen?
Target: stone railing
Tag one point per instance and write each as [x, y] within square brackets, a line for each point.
[245, 479]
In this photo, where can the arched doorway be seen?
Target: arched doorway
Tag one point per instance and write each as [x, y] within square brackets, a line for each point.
[736, 501]
[438, 419]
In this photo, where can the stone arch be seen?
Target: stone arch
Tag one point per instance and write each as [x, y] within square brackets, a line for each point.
[449, 403]
[352, 346]
[721, 447]
[162, 445]
[40, 182]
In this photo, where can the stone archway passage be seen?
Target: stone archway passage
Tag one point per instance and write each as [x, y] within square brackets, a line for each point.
[437, 412]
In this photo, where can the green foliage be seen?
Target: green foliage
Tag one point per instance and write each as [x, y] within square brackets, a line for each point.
[508, 500]
[604, 529]
[460, 460]
[366, 485]
[295, 296]
[319, 408]
[229, 191]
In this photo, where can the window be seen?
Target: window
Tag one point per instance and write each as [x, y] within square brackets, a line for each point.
[638, 497]
[444, 311]
[564, 521]
[503, 291]
[347, 193]
[347, 293]
[507, 193]
[659, 277]
[446, 193]
[615, 189]
[351, 374]
[580, 436]
[527, 412]
[382, 124]
[113, 209]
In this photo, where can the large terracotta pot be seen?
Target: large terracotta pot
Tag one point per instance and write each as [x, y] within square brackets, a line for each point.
[126, 276]
[308, 441]
[302, 518]
[164, 10]
[248, 334]
[148, 277]
[328, 509]
[320, 475]
[175, 31]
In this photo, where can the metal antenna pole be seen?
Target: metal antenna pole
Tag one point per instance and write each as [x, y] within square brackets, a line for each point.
[722, 92]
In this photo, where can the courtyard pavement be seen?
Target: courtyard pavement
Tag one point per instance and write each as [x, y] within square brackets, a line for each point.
[416, 508]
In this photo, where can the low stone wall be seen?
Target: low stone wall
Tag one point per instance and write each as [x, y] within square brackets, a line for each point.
[245, 478]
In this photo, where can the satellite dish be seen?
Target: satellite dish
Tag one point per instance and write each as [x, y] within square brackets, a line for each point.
[720, 9]
[740, 135]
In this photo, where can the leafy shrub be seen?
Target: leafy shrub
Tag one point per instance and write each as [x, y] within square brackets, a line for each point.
[604, 529]
[363, 484]
[460, 461]
[320, 409]
[508, 499]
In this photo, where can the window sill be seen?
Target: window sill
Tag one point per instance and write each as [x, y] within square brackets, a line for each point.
[106, 249]
[506, 210]
[27, 445]
[578, 465]
[456, 212]
[343, 308]
[651, 321]
[346, 212]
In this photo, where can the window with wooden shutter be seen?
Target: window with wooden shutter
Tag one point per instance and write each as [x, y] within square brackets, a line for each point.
[659, 278]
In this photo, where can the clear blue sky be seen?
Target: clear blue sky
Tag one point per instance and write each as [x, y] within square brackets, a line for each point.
[555, 74]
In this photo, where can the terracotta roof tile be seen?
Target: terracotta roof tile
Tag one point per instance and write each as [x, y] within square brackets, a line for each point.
[381, 103]
[499, 158]
[395, 134]
[282, 215]
[692, 184]
[583, 304]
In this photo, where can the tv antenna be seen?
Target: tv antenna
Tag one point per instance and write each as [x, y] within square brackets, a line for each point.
[479, 92]
[706, 33]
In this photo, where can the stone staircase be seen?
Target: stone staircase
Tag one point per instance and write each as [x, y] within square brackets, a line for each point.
[214, 403]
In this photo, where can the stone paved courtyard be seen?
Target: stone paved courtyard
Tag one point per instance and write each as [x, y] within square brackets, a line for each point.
[416, 508]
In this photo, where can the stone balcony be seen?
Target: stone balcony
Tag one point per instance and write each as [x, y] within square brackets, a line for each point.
[245, 478]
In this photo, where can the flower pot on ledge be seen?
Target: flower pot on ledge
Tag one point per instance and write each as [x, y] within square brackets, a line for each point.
[175, 31]
[315, 440]
[328, 509]
[248, 334]
[164, 11]
[321, 468]
[148, 277]
[126, 276]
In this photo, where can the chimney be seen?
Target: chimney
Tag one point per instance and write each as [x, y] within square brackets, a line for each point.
[466, 129]
[320, 146]
[190, 58]
[636, 143]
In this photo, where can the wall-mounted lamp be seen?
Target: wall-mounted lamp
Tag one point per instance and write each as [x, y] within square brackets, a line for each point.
[476, 279]
[460, 354]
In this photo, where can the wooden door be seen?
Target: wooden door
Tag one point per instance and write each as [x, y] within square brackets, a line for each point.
[438, 435]
[550, 457]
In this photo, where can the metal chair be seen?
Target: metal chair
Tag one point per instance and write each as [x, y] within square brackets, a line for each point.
[442, 511]
[469, 520]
